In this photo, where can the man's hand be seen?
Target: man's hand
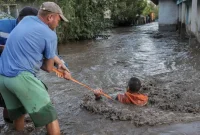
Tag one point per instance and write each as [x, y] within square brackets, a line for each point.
[63, 73]
[67, 75]
[60, 63]
[63, 67]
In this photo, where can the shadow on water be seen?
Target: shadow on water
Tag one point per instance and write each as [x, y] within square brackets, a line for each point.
[167, 66]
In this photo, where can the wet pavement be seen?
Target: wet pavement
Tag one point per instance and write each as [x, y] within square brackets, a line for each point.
[167, 66]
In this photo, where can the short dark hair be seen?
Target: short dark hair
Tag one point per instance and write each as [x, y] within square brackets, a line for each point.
[26, 11]
[134, 84]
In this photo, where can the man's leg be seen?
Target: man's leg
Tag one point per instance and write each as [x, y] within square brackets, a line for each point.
[53, 128]
[6, 116]
[5, 111]
[35, 99]
[14, 107]
[19, 123]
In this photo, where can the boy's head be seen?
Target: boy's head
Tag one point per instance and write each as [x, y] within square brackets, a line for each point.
[134, 85]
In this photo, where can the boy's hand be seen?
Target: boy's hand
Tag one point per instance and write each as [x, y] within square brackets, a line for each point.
[98, 93]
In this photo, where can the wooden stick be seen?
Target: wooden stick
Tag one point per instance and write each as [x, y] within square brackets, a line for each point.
[59, 73]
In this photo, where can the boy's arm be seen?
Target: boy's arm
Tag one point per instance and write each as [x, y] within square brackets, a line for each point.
[98, 93]
[122, 98]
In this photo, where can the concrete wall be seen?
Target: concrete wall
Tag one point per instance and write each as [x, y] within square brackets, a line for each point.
[168, 15]
[183, 13]
[198, 21]
[194, 24]
[179, 12]
[192, 18]
[14, 9]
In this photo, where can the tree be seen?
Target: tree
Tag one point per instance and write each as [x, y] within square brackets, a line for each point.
[87, 16]
[151, 8]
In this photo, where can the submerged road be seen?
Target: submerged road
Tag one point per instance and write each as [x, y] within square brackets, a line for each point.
[167, 65]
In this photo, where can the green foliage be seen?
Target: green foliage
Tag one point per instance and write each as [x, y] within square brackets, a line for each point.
[124, 11]
[87, 16]
[151, 8]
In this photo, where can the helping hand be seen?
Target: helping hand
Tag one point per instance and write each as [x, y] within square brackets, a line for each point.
[67, 75]
[63, 67]
[98, 92]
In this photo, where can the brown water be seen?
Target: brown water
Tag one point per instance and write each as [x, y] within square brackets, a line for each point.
[169, 70]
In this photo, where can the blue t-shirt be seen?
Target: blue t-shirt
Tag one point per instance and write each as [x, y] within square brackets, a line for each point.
[29, 42]
[6, 26]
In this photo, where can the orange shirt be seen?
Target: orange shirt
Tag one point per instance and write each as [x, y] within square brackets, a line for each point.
[134, 98]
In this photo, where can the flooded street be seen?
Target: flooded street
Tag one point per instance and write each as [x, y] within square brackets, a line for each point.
[167, 66]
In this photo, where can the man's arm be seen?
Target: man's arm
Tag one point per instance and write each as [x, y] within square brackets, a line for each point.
[62, 68]
[47, 65]
[60, 64]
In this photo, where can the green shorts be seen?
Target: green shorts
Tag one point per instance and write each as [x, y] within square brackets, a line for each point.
[26, 94]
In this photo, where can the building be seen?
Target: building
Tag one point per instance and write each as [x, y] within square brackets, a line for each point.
[11, 9]
[14, 8]
[181, 15]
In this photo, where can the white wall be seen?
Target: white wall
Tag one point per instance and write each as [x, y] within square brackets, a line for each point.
[168, 12]
[198, 15]
[183, 12]
[198, 21]
[194, 20]
[179, 12]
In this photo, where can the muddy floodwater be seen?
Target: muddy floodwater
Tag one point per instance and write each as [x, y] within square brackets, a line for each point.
[167, 65]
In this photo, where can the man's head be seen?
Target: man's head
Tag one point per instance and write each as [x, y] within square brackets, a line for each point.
[134, 85]
[51, 14]
[26, 11]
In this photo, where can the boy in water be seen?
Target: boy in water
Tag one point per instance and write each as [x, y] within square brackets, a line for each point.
[131, 96]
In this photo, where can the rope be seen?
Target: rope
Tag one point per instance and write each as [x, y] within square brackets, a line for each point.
[60, 74]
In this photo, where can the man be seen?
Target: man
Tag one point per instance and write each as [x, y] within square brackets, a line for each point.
[6, 26]
[31, 46]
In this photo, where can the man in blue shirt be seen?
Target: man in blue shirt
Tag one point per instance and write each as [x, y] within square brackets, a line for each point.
[6, 26]
[30, 47]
